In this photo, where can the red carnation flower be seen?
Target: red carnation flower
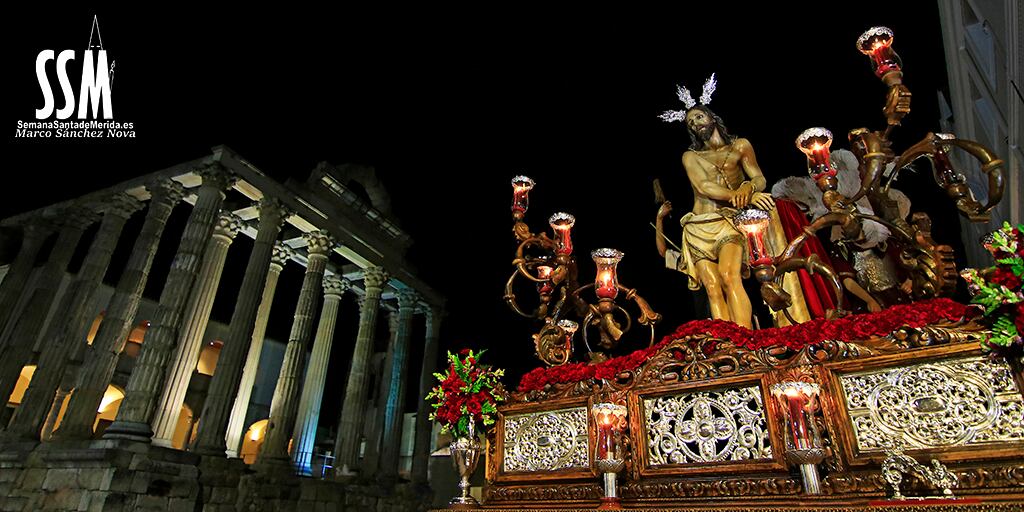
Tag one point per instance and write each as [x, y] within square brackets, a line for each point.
[1005, 277]
[795, 337]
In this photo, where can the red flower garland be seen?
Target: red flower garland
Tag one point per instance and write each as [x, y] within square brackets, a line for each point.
[849, 328]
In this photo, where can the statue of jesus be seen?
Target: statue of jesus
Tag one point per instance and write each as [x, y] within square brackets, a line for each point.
[725, 176]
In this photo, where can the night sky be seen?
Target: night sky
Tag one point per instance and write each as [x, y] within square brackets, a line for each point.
[449, 104]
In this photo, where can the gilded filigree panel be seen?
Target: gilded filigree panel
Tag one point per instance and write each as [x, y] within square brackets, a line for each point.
[932, 405]
[707, 426]
[546, 441]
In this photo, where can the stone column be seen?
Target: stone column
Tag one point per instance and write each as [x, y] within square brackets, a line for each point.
[304, 435]
[371, 455]
[213, 422]
[285, 403]
[51, 416]
[421, 446]
[394, 404]
[71, 325]
[236, 422]
[197, 317]
[13, 285]
[117, 323]
[349, 428]
[132, 421]
[20, 340]
[101, 361]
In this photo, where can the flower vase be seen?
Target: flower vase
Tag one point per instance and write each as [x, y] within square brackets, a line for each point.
[465, 453]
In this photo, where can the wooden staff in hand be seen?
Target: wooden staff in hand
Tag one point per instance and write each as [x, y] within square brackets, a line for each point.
[665, 208]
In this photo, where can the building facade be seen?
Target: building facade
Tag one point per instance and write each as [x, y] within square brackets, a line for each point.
[153, 402]
[984, 45]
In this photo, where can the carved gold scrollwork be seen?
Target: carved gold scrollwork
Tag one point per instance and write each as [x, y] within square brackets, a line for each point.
[702, 357]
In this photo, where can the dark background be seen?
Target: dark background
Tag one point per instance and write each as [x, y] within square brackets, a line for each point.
[448, 105]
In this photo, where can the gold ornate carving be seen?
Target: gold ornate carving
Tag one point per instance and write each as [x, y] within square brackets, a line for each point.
[917, 507]
[702, 357]
[551, 492]
[546, 441]
[932, 405]
[1004, 478]
[713, 488]
[707, 427]
[988, 478]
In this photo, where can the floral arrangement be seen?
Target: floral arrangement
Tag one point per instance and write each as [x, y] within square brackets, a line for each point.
[795, 337]
[998, 290]
[468, 394]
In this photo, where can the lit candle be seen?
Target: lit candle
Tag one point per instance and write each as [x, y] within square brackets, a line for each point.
[569, 327]
[795, 399]
[753, 222]
[609, 418]
[521, 186]
[544, 272]
[606, 284]
[562, 224]
[876, 42]
[815, 143]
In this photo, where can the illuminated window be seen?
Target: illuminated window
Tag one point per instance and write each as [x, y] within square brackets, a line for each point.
[22, 385]
[208, 357]
[253, 440]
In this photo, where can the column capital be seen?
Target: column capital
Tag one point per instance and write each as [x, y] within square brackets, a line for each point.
[228, 225]
[77, 216]
[430, 311]
[37, 228]
[318, 243]
[375, 277]
[335, 286]
[408, 299]
[217, 176]
[282, 253]
[121, 205]
[271, 208]
[165, 191]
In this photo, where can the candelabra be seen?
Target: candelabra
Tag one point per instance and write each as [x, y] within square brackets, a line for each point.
[930, 266]
[897, 464]
[610, 460]
[797, 403]
[549, 262]
[768, 271]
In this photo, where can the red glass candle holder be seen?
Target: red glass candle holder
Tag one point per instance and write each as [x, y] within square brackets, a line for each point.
[561, 224]
[815, 143]
[753, 222]
[942, 165]
[876, 42]
[798, 400]
[521, 186]
[544, 272]
[606, 284]
[569, 327]
[610, 419]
